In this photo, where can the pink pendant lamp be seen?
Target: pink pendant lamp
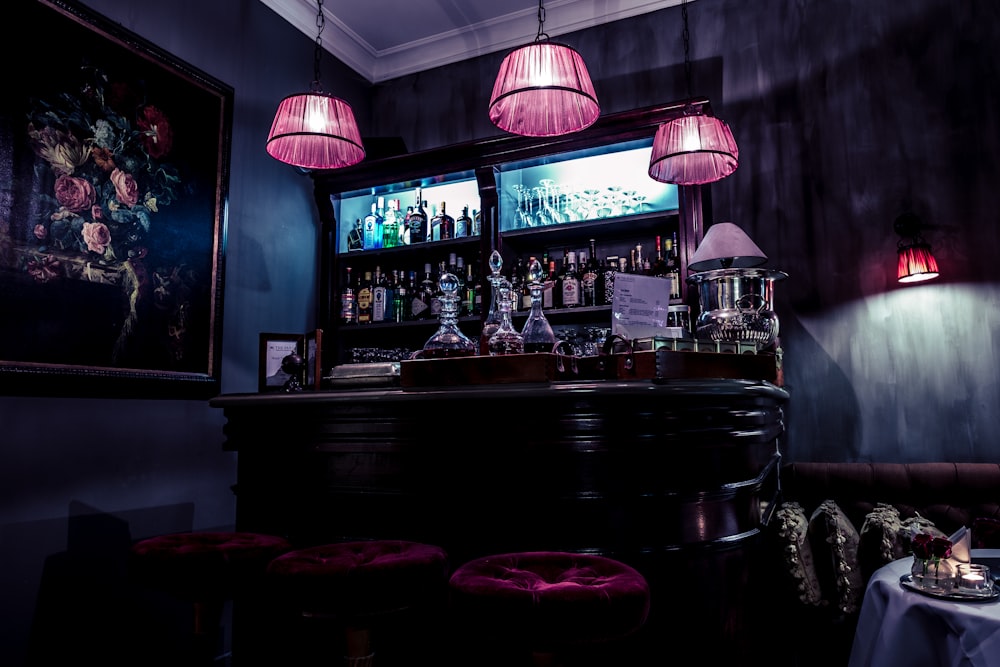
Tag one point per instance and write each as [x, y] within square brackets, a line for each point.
[696, 148]
[315, 130]
[543, 90]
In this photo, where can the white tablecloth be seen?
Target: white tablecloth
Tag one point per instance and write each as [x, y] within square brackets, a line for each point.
[900, 627]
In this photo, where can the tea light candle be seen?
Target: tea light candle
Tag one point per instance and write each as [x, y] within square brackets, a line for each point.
[974, 578]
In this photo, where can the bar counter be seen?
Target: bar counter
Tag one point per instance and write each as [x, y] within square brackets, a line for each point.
[672, 477]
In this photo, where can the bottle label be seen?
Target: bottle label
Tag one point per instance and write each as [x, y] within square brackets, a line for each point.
[570, 293]
[417, 307]
[378, 304]
[347, 308]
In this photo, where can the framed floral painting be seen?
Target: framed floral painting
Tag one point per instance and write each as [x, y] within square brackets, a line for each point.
[114, 168]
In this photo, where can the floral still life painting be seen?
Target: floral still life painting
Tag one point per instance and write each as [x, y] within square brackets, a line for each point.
[112, 227]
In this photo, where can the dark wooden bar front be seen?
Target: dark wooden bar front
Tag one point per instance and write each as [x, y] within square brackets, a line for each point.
[672, 478]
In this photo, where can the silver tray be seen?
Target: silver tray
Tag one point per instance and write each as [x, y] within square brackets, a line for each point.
[956, 595]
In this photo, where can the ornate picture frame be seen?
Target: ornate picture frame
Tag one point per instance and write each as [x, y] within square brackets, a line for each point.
[114, 170]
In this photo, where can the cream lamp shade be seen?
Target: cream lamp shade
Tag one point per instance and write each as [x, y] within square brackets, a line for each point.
[726, 246]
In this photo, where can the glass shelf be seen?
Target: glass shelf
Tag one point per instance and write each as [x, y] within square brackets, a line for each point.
[582, 187]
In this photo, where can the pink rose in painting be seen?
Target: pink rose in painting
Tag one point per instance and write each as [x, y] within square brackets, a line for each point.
[96, 213]
[157, 135]
[125, 187]
[97, 236]
[75, 194]
[41, 232]
[45, 269]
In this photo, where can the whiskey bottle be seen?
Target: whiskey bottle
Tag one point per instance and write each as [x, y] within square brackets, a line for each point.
[443, 225]
[420, 307]
[569, 283]
[364, 299]
[436, 302]
[673, 268]
[608, 273]
[418, 222]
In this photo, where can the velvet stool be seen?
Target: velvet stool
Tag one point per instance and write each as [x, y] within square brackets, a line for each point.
[541, 604]
[206, 570]
[361, 588]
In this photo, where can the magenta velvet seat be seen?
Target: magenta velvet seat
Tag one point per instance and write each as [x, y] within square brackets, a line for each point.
[359, 584]
[548, 601]
[206, 569]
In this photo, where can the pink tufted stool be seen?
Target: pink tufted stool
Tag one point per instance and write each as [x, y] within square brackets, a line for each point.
[206, 569]
[547, 601]
[359, 584]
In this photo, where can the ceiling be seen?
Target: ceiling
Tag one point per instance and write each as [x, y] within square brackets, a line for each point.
[384, 39]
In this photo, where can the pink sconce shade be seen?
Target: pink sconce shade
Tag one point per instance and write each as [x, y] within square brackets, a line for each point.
[916, 263]
[543, 90]
[693, 149]
[315, 131]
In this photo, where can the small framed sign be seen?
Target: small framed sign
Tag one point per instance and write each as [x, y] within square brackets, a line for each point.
[314, 359]
[273, 348]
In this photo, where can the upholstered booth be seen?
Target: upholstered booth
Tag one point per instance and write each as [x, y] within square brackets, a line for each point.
[836, 523]
[356, 588]
[205, 569]
[547, 604]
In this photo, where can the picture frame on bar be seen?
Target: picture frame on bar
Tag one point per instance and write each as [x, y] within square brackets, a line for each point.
[114, 172]
[314, 360]
[274, 347]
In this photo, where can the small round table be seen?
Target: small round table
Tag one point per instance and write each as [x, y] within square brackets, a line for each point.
[898, 626]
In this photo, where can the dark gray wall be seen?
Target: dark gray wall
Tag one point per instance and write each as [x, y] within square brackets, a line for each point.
[158, 466]
[843, 110]
[845, 113]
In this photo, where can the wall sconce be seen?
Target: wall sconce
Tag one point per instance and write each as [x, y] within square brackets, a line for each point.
[916, 262]
[315, 130]
[543, 89]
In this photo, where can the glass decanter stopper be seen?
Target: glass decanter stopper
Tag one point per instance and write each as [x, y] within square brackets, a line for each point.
[506, 339]
[448, 341]
[537, 332]
[492, 321]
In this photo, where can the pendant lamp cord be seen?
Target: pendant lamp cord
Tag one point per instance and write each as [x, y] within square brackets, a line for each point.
[320, 24]
[686, 35]
[541, 19]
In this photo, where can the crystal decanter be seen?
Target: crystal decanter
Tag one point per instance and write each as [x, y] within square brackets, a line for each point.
[448, 341]
[506, 339]
[492, 321]
[537, 332]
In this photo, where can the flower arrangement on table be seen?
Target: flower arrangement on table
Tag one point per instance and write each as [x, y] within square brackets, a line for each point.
[931, 564]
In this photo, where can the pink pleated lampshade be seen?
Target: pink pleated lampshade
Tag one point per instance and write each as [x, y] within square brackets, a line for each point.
[543, 90]
[315, 131]
[916, 263]
[693, 150]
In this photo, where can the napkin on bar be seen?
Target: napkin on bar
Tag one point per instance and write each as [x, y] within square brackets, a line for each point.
[960, 540]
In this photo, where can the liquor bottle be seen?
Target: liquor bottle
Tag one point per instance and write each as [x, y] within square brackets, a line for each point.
[477, 223]
[420, 307]
[549, 286]
[477, 289]
[589, 277]
[506, 339]
[364, 299]
[469, 292]
[404, 227]
[673, 268]
[373, 229]
[380, 299]
[569, 283]
[443, 224]
[436, 302]
[525, 286]
[400, 299]
[608, 274]
[659, 267]
[463, 224]
[517, 284]
[537, 332]
[348, 314]
[418, 222]
[390, 225]
[356, 237]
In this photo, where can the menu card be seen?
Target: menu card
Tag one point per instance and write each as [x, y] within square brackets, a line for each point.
[639, 307]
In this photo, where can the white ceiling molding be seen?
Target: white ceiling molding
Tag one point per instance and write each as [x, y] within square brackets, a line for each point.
[439, 38]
